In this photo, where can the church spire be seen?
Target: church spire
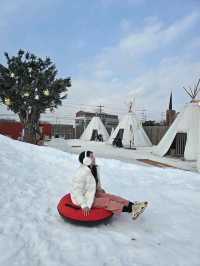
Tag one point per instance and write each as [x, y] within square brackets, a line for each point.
[170, 102]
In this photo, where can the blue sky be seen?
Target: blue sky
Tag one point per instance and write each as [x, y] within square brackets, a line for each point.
[114, 50]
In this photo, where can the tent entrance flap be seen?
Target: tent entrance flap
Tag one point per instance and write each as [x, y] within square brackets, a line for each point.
[118, 139]
[177, 147]
[94, 134]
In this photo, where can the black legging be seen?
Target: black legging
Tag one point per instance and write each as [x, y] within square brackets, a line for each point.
[128, 208]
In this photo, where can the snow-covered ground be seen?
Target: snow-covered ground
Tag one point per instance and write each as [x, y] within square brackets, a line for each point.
[33, 179]
[108, 151]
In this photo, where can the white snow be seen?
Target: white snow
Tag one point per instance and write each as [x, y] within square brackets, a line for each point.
[33, 179]
[106, 150]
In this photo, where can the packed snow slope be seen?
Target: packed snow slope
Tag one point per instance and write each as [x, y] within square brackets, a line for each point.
[33, 179]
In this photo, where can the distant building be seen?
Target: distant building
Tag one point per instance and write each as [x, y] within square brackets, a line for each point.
[155, 130]
[170, 113]
[83, 118]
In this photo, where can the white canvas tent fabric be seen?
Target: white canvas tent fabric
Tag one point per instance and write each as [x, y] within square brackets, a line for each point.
[133, 132]
[198, 162]
[198, 152]
[95, 124]
[112, 131]
[187, 121]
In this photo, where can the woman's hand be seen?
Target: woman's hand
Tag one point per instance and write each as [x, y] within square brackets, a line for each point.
[86, 211]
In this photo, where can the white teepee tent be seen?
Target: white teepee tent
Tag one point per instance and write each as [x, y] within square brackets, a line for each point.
[198, 163]
[94, 128]
[131, 132]
[182, 138]
[198, 152]
[187, 124]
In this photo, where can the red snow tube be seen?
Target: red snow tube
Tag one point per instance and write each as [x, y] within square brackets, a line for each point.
[74, 213]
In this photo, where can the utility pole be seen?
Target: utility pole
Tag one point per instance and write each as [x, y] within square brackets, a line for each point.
[100, 108]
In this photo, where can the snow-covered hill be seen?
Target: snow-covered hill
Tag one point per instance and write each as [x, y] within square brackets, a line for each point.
[32, 180]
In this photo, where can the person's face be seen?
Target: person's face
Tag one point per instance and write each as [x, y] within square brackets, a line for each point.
[92, 156]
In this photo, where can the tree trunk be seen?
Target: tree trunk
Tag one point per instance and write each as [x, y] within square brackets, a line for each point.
[32, 133]
[29, 133]
[31, 127]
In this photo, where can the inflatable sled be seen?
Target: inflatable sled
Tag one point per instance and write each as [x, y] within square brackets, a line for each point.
[74, 213]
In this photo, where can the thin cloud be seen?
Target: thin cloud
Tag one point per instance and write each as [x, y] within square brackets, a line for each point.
[146, 64]
[108, 3]
[171, 73]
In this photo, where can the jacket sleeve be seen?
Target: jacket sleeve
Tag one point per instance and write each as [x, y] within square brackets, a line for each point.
[78, 184]
[90, 190]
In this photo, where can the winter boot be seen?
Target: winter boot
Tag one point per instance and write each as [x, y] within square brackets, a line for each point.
[138, 208]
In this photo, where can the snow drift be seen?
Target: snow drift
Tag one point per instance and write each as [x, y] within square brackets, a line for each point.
[33, 179]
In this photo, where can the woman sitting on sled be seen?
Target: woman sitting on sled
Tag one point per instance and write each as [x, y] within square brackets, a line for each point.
[87, 192]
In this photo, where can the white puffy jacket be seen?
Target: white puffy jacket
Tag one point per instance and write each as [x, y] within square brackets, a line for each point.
[84, 187]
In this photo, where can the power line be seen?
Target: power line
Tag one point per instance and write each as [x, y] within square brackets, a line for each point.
[70, 115]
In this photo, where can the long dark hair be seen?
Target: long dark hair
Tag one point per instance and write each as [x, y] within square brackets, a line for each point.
[93, 168]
